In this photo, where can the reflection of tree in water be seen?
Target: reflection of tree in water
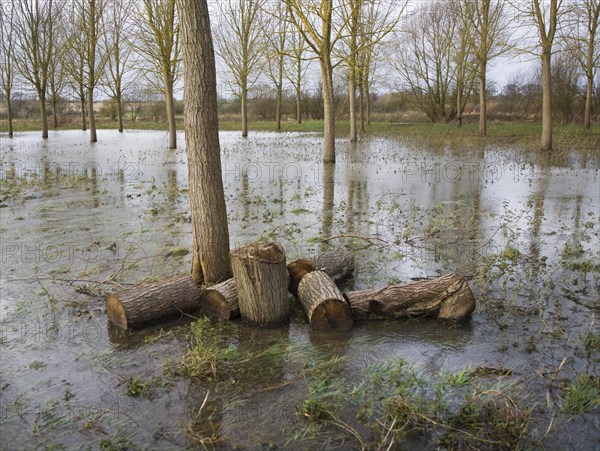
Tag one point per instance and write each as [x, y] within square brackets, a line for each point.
[328, 201]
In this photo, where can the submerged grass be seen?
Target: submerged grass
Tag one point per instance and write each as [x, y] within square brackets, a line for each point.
[583, 395]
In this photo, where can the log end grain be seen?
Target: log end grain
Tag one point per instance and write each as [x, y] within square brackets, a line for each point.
[459, 305]
[115, 310]
[297, 270]
[332, 314]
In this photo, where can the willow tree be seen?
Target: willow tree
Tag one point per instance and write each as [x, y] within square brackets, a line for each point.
[210, 260]
[368, 23]
[275, 54]
[158, 42]
[314, 20]
[545, 17]
[35, 31]
[583, 42]
[241, 46]
[117, 41]
[7, 58]
[489, 39]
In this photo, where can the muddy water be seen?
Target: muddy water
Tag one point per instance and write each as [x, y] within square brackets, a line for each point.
[80, 219]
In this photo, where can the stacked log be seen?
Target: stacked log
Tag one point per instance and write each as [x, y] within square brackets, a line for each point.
[338, 264]
[323, 302]
[448, 297]
[220, 300]
[261, 279]
[148, 303]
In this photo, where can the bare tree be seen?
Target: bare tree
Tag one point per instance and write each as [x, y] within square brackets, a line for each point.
[117, 43]
[314, 19]
[35, 30]
[210, 260]
[88, 27]
[297, 67]
[545, 16]
[74, 64]
[424, 59]
[583, 43]
[275, 53]
[489, 39]
[56, 81]
[368, 23]
[7, 61]
[240, 44]
[158, 42]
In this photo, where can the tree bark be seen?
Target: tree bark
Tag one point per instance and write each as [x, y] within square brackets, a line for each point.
[54, 115]
[328, 109]
[83, 118]
[261, 278]
[546, 99]
[10, 116]
[91, 116]
[244, 112]
[210, 259]
[43, 114]
[299, 92]
[323, 302]
[221, 300]
[170, 106]
[120, 112]
[587, 114]
[144, 304]
[482, 102]
[448, 297]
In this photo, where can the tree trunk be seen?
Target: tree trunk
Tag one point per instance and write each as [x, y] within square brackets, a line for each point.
[368, 102]
[120, 112]
[298, 106]
[244, 111]
[328, 110]
[43, 114]
[279, 93]
[10, 116]
[482, 101]
[459, 120]
[210, 259]
[361, 102]
[448, 297]
[91, 116]
[83, 119]
[337, 264]
[261, 279]
[148, 303]
[221, 300]
[323, 302]
[352, 105]
[587, 114]
[54, 115]
[170, 105]
[546, 141]
[299, 92]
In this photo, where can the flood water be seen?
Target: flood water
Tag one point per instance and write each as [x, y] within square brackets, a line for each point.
[78, 220]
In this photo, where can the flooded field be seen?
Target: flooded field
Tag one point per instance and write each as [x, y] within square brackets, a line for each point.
[78, 220]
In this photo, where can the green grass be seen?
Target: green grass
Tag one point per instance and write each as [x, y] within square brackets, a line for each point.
[583, 395]
[566, 136]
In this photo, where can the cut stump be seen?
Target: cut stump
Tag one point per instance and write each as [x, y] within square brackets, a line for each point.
[220, 300]
[323, 302]
[448, 297]
[151, 302]
[261, 279]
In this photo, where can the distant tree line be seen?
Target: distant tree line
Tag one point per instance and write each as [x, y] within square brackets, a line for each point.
[429, 57]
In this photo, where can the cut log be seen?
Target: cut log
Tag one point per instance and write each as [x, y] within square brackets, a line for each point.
[220, 300]
[338, 264]
[151, 302]
[448, 297]
[323, 302]
[261, 279]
